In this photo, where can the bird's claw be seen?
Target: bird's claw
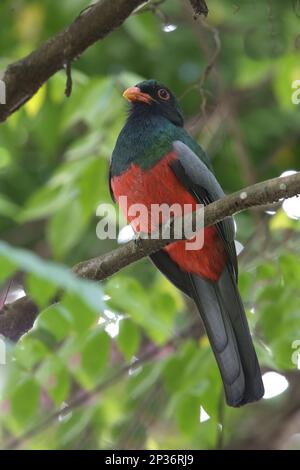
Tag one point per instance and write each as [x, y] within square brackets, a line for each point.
[138, 240]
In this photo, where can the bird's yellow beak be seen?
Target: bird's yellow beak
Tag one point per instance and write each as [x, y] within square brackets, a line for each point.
[134, 94]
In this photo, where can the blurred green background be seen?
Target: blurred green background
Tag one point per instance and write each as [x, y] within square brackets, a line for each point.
[54, 156]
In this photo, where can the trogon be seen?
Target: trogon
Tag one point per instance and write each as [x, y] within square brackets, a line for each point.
[156, 161]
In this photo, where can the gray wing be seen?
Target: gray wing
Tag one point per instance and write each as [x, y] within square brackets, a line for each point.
[202, 183]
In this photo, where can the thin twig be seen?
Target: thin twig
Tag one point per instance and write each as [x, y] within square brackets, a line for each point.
[199, 84]
[4, 293]
[69, 84]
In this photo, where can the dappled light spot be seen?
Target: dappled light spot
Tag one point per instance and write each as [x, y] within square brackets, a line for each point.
[291, 206]
[110, 322]
[134, 369]
[15, 294]
[270, 212]
[274, 384]
[110, 314]
[235, 225]
[126, 234]
[169, 28]
[112, 329]
[238, 246]
[203, 415]
[65, 415]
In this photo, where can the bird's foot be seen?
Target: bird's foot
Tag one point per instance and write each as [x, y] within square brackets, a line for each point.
[138, 240]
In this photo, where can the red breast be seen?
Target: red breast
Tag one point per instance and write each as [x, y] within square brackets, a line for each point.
[159, 185]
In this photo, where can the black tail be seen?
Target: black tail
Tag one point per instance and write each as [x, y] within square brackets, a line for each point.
[224, 318]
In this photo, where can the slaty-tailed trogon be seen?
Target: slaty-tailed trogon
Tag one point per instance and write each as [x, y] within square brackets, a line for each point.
[156, 161]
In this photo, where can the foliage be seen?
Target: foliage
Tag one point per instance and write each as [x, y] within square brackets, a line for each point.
[54, 156]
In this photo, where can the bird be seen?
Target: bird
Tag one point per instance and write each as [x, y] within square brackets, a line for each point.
[156, 161]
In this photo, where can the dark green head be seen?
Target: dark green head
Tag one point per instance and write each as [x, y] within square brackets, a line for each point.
[153, 98]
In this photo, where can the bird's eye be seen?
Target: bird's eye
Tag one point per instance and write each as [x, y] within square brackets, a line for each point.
[163, 94]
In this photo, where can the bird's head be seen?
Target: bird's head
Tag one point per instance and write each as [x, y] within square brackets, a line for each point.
[154, 98]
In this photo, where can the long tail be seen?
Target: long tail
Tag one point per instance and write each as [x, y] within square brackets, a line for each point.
[224, 318]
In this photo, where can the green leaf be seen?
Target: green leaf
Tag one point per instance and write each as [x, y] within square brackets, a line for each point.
[95, 106]
[279, 321]
[5, 158]
[280, 221]
[45, 337]
[85, 146]
[66, 228]
[128, 296]
[56, 320]
[89, 292]
[288, 70]
[95, 355]
[46, 201]
[25, 400]
[165, 307]
[252, 71]
[188, 413]
[129, 338]
[198, 376]
[7, 207]
[93, 187]
[144, 30]
[82, 315]
[290, 267]
[41, 290]
[7, 267]
[53, 377]
[74, 425]
[246, 280]
[87, 356]
[266, 271]
[29, 351]
[142, 379]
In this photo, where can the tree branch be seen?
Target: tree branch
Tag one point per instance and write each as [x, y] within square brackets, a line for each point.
[18, 317]
[23, 78]
[256, 195]
[199, 7]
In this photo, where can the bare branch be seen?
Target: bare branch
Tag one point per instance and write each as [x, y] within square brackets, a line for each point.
[23, 78]
[258, 194]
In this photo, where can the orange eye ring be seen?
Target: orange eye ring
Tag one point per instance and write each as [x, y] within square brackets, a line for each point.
[163, 94]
